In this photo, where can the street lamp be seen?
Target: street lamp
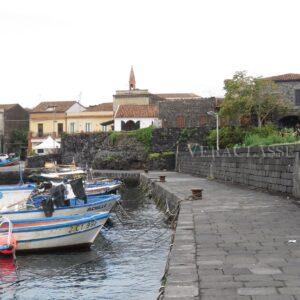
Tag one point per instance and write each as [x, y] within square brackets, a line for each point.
[216, 115]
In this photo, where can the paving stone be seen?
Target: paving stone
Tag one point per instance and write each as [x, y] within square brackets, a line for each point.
[264, 271]
[273, 297]
[290, 290]
[210, 297]
[257, 291]
[179, 291]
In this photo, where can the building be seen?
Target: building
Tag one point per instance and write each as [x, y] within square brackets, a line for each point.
[131, 117]
[187, 113]
[93, 118]
[135, 108]
[50, 118]
[12, 117]
[289, 87]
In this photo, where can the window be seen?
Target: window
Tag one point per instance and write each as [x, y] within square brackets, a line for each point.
[180, 121]
[40, 151]
[203, 120]
[40, 130]
[88, 127]
[104, 128]
[72, 127]
[297, 97]
[60, 128]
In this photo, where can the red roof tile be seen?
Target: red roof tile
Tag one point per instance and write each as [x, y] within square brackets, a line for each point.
[60, 106]
[108, 106]
[285, 77]
[136, 111]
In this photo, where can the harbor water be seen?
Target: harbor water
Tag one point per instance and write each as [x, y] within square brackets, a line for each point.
[127, 261]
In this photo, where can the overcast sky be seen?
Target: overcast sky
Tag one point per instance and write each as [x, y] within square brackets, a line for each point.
[55, 49]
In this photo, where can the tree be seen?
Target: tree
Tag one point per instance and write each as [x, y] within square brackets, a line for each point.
[18, 139]
[248, 97]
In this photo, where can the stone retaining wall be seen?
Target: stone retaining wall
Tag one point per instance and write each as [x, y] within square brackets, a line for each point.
[271, 168]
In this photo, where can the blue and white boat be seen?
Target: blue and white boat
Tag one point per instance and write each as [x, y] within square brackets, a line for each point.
[95, 205]
[13, 194]
[57, 232]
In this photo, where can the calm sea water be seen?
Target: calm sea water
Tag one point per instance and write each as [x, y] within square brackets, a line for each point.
[127, 261]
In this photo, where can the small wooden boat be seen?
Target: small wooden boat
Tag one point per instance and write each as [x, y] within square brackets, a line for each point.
[8, 242]
[49, 233]
[12, 194]
[95, 205]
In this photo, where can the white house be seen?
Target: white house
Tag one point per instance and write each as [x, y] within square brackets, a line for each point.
[131, 117]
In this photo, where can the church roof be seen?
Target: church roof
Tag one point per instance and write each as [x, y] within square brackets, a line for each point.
[136, 111]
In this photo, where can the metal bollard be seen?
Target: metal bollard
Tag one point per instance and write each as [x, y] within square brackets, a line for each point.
[162, 178]
[197, 193]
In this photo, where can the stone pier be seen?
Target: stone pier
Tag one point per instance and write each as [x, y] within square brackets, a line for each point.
[235, 243]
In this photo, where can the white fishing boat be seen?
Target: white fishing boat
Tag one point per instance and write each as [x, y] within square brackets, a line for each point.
[102, 187]
[50, 233]
[12, 194]
[63, 174]
[95, 205]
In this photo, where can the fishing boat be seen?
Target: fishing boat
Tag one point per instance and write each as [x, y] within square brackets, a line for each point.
[57, 232]
[8, 241]
[102, 187]
[9, 161]
[15, 193]
[94, 204]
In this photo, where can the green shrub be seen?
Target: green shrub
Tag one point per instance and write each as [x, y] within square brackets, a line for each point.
[154, 155]
[167, 153]
[228, 137]
[144, 135]
[113, 136]
[255, 136]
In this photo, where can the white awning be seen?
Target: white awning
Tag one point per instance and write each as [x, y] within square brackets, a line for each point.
[48, 143]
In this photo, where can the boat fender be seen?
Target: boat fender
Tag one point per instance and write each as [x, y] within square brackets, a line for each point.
[1, 195]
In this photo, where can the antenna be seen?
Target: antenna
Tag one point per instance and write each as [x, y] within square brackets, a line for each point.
[79, 97]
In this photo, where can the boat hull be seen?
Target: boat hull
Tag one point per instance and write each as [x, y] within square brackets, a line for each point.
[103, 204]
[12, 194]
[82, 231]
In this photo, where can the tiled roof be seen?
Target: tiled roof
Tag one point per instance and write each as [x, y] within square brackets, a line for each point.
[108, 106]
[7, 106]
[60, 106]
[136, 111]
[285, 77]
[176, 96]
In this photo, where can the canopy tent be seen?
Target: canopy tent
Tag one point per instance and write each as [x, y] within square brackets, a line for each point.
[48, 143]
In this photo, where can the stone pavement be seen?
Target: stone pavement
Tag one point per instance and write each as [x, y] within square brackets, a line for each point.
[235, 243]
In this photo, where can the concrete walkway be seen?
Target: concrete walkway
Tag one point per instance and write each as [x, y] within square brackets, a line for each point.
[236, 243]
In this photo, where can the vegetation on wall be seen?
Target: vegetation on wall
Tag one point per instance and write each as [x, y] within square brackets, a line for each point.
[143, 135]
[252, 98]
[236, 136]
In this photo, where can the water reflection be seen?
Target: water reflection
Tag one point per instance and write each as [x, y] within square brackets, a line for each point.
[126, 261]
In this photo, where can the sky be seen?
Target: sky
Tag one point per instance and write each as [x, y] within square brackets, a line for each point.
[61, 49]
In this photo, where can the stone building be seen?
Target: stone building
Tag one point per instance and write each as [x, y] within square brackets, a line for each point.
[12, 117]
[186, 113]
[160, 110]
[289, 87]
